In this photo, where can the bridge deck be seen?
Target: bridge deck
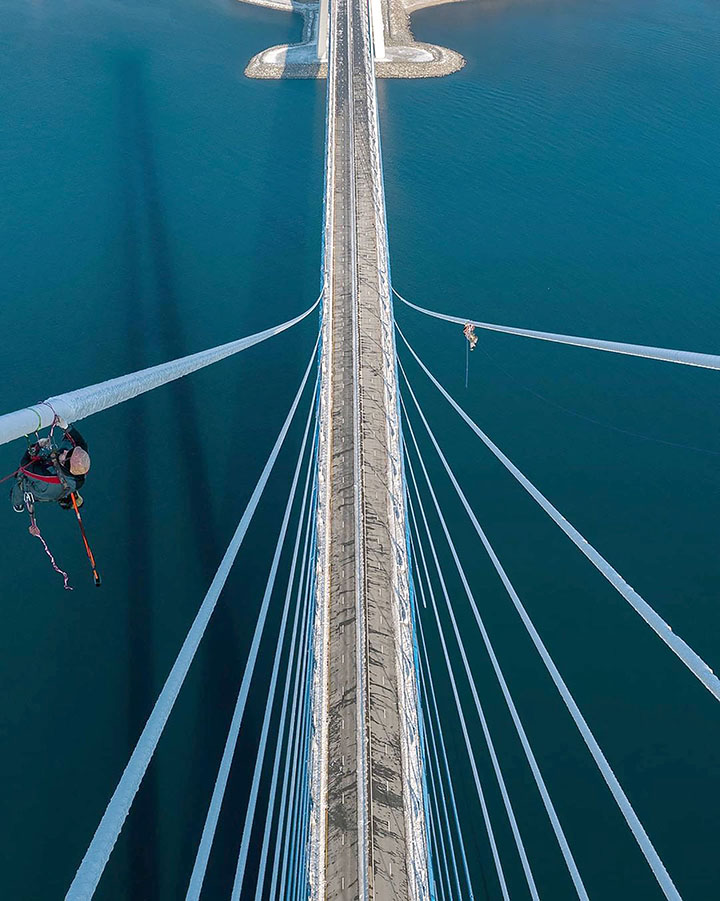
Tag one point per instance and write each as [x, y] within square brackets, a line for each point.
[365, 854]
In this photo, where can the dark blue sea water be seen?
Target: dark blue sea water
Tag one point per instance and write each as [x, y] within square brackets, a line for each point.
[156, 202]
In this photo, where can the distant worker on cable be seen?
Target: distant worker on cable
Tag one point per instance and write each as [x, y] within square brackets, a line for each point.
[52, 472]
[469, 332]
[472, 340]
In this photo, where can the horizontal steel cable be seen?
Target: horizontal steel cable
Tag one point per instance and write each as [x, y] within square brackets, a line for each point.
[664, 354]
[75, 405]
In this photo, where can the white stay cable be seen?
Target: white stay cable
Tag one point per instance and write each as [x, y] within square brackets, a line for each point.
[519, 844]
[442, 854]
[633, 821]
[458, 703]
[296, 641]
[260, 757]
[294, 784]
[692, 661]
[664, 354]
[284, 820]
[98, 853]
[429, 681]
[433, 760]
[211, 819]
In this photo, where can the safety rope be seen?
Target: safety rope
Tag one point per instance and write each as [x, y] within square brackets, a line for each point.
[666, 355]
[96, 857]
[692, 661]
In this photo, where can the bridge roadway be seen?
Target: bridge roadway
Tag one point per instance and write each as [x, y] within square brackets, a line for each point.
[368, 819]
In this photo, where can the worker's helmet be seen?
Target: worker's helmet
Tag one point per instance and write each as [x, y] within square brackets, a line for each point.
[79, 462]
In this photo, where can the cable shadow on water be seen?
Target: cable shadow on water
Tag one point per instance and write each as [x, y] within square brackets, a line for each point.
[188, 475]
[142, 825]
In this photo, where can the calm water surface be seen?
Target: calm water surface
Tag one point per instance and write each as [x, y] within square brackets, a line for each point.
[156, 202]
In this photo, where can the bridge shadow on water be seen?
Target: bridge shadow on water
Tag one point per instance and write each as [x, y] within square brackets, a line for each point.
[152, 308]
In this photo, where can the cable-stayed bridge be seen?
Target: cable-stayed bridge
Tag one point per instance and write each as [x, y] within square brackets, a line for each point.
[362, 800]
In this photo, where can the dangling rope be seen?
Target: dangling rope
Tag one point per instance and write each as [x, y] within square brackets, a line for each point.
[96, 857]
[34, 530]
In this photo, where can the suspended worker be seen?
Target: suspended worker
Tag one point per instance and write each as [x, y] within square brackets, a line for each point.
[52, 472]
[469, 332]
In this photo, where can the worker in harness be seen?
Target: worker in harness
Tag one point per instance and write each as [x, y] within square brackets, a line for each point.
[51, 472]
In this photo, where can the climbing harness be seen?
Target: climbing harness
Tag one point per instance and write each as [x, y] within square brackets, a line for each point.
[46, 449]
